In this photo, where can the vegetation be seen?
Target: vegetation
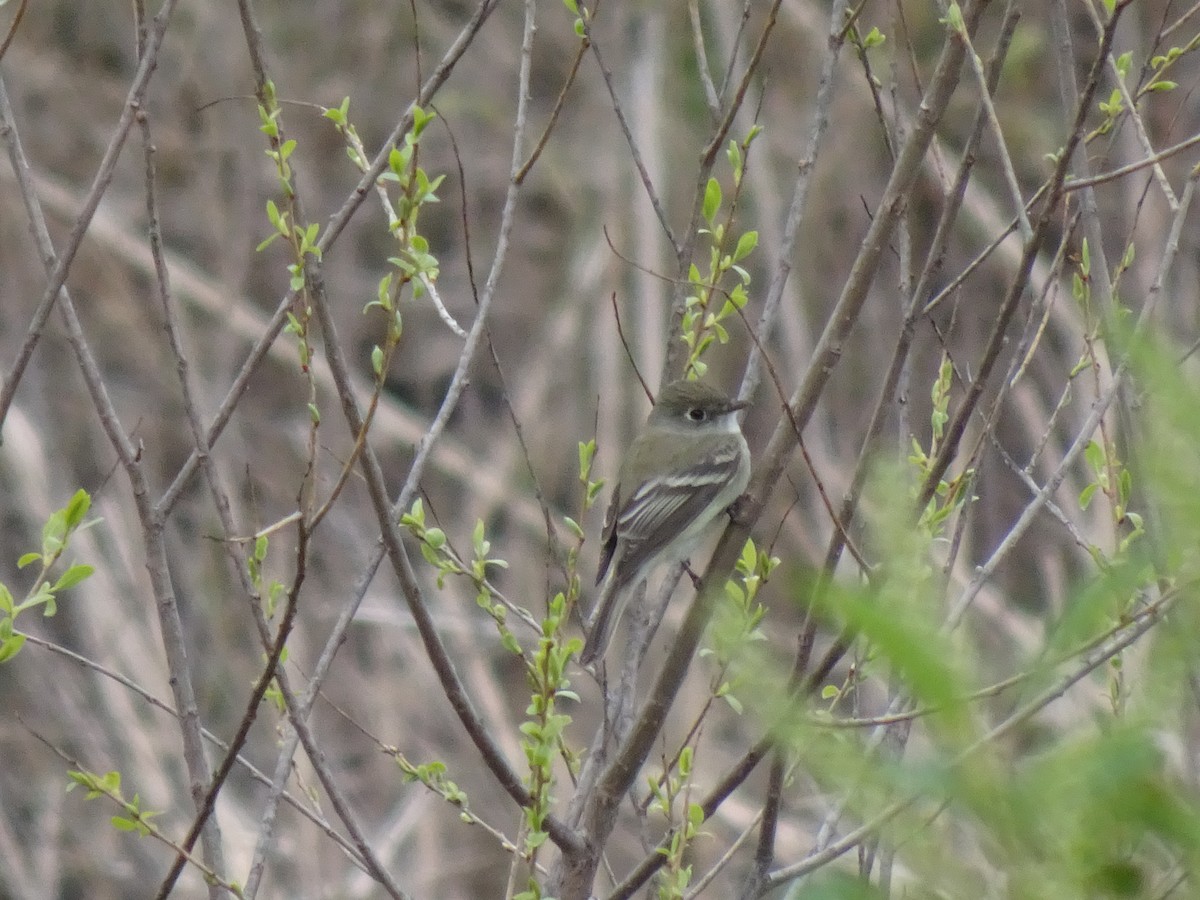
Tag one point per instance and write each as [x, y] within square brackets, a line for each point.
[325, 326]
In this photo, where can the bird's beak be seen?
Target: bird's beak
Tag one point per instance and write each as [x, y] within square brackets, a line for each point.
[735, 405]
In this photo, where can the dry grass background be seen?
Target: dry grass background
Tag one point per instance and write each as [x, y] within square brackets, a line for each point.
[583, 232]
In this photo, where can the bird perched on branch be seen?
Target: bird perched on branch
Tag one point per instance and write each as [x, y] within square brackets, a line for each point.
[687, 466]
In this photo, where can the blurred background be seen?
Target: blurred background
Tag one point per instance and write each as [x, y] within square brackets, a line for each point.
[585, 239]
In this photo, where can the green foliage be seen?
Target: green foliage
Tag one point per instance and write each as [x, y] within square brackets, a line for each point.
[1110, 477]
[439, 553]
[56, 535]
[735, 631]
[135, 819]
[950, 494]
[303, 238]
[269, 592]
[667, 794]
[543, 728]
[591, 489]
[433, 776]
[837, 886]
[1153, 81]
[414, 267]
[894, 617]
[580, 17]
[302, 241]
[1102, 811]
[1090, 817]
[723, 277]
[954, 19]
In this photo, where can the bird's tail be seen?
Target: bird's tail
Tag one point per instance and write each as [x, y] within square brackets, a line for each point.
[603, 622]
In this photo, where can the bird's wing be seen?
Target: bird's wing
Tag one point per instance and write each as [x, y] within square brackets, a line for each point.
[662, 508]
[608, 536]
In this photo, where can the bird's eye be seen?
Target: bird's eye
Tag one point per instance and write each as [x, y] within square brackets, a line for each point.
[697, 414]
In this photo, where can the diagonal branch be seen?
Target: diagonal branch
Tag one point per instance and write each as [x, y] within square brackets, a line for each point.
[58, 263]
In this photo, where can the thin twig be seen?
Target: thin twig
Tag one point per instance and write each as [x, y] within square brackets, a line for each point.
[266, 677]
[958, 422]
[559, 102]
[386, 511]
[768, 319]
[1089, 425]
[599, 817]
[11, 34]
[151, 829]
[258, 775]
[710, 89]
[58, 261]
[326, 240]
[1022, 715]
[165, 602]
[643, 173]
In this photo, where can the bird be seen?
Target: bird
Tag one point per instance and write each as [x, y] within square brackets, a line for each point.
[685, 468]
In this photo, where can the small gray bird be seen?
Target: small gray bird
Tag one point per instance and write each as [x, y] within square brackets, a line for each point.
[686, 467]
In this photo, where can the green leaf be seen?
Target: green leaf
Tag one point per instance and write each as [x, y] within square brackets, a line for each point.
[264, 244]
[77, 508]
[421, 119]
[54, 534]
[75, 574]
[415, 517]
[11, 646]
[587, 452]
[276, 218]
[745, 245]
[28, 558]
[734, 153]
[593, 490]
[954, 18]
[340, 115]
[310, 239]
[431, 557]
[712, 200]
[1085, 496]
[477, 540]
[508, 640]
[397, 160]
